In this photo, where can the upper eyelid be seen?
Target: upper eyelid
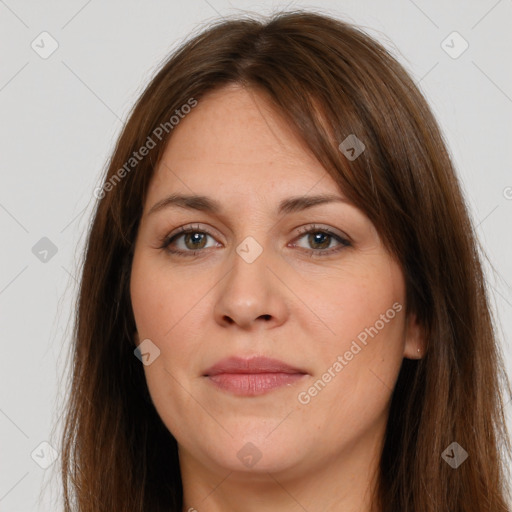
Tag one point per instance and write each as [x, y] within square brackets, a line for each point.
[303, 228]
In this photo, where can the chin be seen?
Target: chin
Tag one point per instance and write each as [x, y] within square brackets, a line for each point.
[256, 453]
[249, 456]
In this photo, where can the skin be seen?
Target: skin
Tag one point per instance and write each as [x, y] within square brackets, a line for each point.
[197, 309]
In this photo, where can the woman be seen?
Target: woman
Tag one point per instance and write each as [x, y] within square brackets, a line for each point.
[282, 300]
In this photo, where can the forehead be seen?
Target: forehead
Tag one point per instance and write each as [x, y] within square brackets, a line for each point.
[234, 142]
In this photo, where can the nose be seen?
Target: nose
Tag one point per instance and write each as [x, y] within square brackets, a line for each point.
[252, 295]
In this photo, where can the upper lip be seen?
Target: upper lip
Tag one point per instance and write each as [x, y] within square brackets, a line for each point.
[257, 364]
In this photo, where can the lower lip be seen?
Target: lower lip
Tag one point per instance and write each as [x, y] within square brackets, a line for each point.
[252, 384]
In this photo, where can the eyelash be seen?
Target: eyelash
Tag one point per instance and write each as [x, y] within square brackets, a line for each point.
[168, 240]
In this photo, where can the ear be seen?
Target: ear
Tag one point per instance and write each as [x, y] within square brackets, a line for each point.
[136, 338]
[414, 338]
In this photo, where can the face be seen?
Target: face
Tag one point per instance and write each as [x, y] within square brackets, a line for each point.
[276, 324]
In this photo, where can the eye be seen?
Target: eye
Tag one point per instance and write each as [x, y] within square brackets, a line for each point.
[193, 239]
[190, 241]
[321, 238]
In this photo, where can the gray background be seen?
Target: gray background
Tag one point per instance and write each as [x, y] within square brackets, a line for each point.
[60, 119]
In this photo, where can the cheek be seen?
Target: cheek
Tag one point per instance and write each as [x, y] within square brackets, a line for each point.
[168, 309]
[350, 395]
[146, 296]
[360, 353]
[349, 303]
[161, 315]
[162, 299]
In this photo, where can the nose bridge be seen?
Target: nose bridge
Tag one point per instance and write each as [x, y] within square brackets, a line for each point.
[249, 276]
[250, 290]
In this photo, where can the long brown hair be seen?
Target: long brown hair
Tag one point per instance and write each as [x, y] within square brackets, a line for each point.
[330, 80]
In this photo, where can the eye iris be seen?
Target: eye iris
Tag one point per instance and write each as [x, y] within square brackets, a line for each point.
[201, 237]
[316, 238]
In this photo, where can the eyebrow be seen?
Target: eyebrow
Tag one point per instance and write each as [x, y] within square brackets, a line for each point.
[210, 205]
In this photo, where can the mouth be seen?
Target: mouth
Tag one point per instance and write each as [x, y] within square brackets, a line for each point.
[254, 376]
